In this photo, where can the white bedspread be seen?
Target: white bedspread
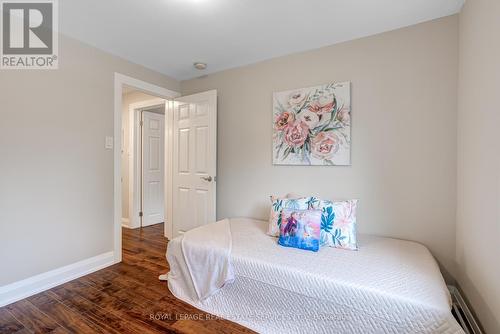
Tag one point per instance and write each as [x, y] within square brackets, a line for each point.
[388, 286]
[205, 259]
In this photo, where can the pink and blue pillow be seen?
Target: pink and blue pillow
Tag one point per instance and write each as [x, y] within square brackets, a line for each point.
[338, 220]
[280, 203]
[300, 229]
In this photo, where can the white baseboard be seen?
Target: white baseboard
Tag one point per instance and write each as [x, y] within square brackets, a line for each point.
[13, 292]
[126, 223]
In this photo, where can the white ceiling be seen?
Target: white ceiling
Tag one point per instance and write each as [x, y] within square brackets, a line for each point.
[169, 35]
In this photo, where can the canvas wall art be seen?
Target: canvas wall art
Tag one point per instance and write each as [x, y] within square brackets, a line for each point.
[312, 126]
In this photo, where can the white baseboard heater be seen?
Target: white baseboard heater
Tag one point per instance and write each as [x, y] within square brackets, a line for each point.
[462, 313]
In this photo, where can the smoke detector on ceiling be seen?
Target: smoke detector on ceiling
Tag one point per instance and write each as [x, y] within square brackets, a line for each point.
[200, 66]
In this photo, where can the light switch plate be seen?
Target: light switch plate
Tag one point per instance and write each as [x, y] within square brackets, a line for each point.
[109, 143]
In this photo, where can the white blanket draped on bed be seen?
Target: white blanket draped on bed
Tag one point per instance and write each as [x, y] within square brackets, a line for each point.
[205, 260]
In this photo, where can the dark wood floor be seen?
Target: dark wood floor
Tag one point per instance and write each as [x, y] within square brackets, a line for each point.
[124, 298]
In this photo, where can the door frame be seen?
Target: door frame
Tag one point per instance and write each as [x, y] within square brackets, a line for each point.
[119, 81]
[135, 158]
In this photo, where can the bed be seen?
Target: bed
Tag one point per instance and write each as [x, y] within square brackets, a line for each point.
[388, 286]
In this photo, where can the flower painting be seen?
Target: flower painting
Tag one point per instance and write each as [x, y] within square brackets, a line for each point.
[312, 126]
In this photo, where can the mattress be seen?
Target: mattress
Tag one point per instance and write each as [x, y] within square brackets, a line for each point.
[387, 286]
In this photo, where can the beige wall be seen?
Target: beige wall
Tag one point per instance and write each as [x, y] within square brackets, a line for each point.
[478, 223]
[128, 99]
[404, 93]
[56, 178]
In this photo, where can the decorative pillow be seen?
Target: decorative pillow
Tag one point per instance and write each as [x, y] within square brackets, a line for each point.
[300, 229]
[280, 203]
[338, 224]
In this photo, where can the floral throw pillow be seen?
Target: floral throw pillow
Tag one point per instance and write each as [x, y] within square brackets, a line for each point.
[300, 229]
[338, 224]
[280, 203]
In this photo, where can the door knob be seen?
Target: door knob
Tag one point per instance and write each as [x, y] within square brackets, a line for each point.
[207, 178]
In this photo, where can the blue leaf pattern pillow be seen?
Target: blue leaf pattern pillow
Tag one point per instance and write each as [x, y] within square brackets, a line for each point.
[338, 224]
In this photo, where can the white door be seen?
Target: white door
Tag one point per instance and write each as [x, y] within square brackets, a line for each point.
[194, 161]
[153, 162]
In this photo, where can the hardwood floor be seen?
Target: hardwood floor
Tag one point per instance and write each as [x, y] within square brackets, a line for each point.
[124, 298]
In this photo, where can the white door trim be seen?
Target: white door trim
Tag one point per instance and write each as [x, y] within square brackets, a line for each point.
[134, 160]
[119, 81]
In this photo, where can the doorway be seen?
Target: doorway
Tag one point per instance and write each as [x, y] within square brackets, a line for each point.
[123, 150]
[146, 164]
[189, 161]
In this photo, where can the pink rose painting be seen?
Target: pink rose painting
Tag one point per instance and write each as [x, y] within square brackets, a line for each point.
[296, 134]
[312, 126]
